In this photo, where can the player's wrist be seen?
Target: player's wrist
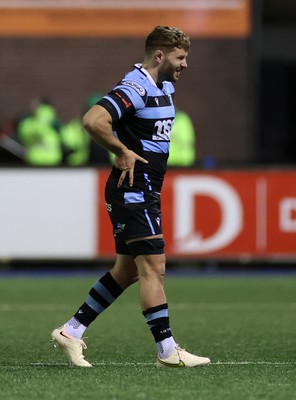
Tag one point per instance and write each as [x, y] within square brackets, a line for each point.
[121, 151]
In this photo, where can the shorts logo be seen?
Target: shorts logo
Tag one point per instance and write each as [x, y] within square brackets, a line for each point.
[109, 207]
[138, 88]
[119, 228]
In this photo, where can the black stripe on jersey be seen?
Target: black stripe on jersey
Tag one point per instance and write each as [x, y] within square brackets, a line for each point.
[159, 101]
[121, 99]
[109, 107]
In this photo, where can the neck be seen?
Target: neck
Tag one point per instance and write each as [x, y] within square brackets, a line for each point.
[153, 71]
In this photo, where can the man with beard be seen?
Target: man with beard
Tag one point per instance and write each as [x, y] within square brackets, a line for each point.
[134, 121]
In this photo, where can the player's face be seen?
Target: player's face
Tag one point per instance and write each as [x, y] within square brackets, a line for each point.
[173, 63]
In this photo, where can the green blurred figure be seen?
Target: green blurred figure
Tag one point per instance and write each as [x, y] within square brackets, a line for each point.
[39, 134]
[182, 141]
[75, 143]
[48, 142]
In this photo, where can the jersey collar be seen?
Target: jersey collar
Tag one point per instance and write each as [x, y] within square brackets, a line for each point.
[145, 72]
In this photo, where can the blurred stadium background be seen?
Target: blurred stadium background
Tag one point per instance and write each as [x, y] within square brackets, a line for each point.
[234, 207]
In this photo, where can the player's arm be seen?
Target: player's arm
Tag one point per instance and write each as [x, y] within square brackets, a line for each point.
[98, 122]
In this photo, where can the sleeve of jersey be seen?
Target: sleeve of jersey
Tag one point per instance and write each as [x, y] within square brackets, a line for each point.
[124, 100]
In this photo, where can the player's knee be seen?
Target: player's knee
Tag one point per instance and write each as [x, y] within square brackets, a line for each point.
[125, 271]
[146, 247]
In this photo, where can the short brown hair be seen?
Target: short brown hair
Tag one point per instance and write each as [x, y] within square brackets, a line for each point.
[166, 38]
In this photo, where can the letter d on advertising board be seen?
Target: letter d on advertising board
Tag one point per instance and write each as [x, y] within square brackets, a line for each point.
[186, 239]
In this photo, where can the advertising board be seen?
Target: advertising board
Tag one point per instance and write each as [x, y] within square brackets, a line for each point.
[131, 18]
[219, 214]
[223, 214]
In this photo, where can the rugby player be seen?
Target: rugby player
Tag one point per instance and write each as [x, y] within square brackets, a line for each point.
[134, 121]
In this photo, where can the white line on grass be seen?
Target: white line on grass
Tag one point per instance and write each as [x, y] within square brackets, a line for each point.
[173, 306]
[134, 364]
[34, 307]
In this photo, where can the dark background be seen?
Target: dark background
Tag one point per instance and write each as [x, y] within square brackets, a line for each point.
[240, 93]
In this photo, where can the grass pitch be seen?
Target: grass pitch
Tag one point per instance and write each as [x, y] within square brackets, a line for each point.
[246, 325]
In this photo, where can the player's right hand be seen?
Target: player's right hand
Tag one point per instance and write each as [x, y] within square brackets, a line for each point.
[126, 163]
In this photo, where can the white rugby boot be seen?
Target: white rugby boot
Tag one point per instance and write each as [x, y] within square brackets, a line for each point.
[181, 358]
[71, 347]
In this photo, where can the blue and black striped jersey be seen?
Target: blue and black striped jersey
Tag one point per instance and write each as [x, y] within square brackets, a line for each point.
[143, 115]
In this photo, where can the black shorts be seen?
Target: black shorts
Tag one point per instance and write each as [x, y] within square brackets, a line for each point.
[134, 214]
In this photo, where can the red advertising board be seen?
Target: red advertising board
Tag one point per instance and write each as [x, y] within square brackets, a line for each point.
[221, 214]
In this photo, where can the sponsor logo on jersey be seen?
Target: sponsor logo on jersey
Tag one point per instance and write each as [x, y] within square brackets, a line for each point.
[138, 88]
[162, 129]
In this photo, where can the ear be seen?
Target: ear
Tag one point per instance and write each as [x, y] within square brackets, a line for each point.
[158, 55]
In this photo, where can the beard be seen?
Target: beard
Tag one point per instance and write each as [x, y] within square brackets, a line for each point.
[171, 74]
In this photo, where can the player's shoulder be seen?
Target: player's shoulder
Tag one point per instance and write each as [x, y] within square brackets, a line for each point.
[135, 84]
[137, 81]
